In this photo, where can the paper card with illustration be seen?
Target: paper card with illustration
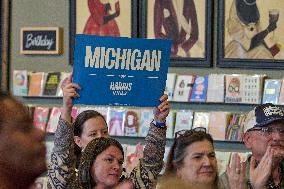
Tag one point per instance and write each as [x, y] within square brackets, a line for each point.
[115, 18]
[120, 71]
[187, 23]
[250, 33]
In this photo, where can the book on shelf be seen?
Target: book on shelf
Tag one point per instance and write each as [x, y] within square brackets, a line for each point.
[281, 96]
[271, 91]
[223, 159]
[51, 84]
[183, 120]
[131, 123]
[170, 124]
[36, 82]
[233, 92]
[201, 119]
[235, 128]
[100, 109]
[170, 85]
[199, 90]
[53, 120]
[145, 121]
[183, 88]
[116, 120]
[216, 88]
[74, 112]
[63, 77]
[218, 122]
[40, 117]
[252, 89]
[20, 83]
[31, 110]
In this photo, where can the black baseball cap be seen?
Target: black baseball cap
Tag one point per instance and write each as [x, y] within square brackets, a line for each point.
[263, 115]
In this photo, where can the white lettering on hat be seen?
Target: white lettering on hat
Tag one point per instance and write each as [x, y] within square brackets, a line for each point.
[270, 110]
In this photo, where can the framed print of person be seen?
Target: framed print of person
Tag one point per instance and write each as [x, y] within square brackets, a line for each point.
[250, 33]
[186, 22]
[115, 18]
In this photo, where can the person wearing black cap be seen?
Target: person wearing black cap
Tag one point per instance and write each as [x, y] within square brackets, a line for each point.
[247, 37]
[264, 136]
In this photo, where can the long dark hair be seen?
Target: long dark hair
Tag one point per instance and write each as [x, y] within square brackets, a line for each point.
[78, 127]
[89, 155]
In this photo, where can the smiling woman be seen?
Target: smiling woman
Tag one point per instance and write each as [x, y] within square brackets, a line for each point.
[100, 152]
[192, 159]
[105, 155]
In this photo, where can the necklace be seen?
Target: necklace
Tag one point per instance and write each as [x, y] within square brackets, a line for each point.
[247, 3]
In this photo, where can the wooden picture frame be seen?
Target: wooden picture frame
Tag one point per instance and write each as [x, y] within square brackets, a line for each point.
[4, 38]
[41, 40]
[191, 48]
[247, 36]
[121, 23]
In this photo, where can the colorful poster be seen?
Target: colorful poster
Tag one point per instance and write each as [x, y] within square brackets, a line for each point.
[120, 71]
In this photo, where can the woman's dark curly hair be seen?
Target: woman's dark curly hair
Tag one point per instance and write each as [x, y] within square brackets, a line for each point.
[89, 155]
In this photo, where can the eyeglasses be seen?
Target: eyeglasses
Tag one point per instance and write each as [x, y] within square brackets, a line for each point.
[233, 89]
[184, 133]
[268, 130]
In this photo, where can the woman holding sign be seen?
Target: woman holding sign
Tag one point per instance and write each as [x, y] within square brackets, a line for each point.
[92, 125]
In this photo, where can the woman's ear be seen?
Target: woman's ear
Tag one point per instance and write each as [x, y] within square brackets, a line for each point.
[77, 140]
[177, 169]
[178, 172]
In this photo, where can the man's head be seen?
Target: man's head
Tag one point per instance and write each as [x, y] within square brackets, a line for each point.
[264, 126]
[22, 149]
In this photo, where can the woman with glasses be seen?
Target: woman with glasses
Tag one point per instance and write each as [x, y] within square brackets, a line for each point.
[192, 160]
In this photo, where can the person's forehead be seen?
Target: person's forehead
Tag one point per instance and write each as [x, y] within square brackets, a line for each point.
[200, 147]
[276, 124]
[114, 151]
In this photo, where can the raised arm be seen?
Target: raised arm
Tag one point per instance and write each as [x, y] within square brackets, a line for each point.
[145, 174]
[69, 92]
[61, 171]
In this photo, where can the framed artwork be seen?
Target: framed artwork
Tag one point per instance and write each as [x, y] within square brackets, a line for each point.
[4, 47]
[116, 18]
[188, 23]
[250, 33]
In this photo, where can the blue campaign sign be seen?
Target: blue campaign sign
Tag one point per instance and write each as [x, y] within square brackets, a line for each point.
[120, 71]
